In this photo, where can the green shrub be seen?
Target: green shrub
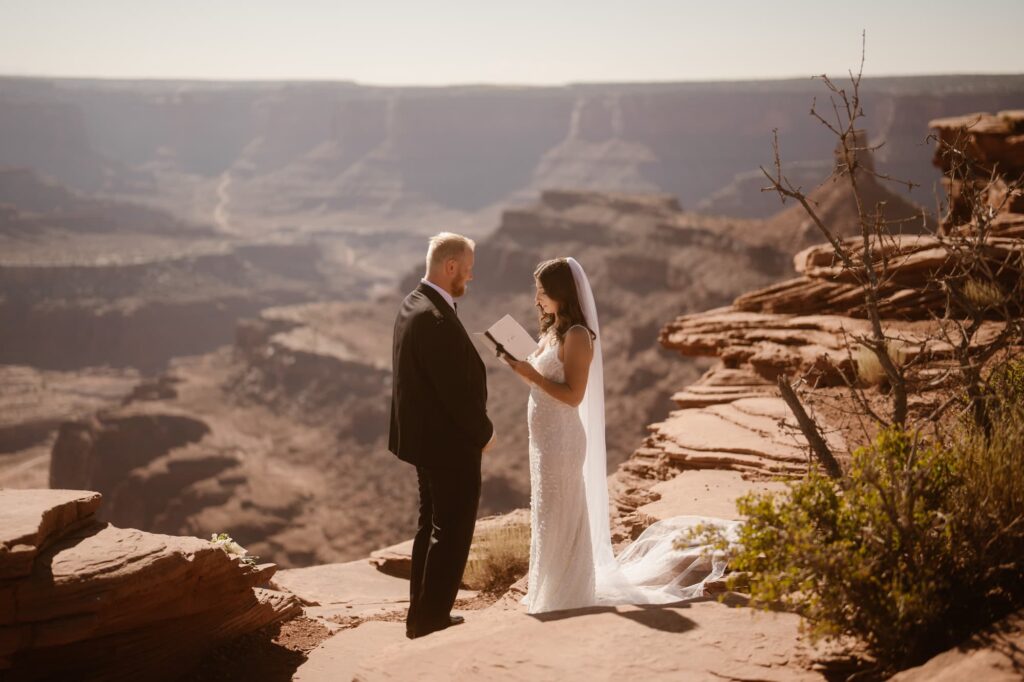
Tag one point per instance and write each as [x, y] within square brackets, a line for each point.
[916, 548]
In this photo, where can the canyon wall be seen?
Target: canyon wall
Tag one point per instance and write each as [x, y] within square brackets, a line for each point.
[277, 154]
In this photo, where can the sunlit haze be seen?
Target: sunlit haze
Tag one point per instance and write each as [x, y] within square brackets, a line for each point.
[527, 42]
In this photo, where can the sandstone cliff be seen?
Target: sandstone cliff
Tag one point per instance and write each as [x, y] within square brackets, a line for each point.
[80, 599]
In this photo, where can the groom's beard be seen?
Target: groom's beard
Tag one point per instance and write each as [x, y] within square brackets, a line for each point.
[459, 289]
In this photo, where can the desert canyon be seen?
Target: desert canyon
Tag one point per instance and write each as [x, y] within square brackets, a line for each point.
[198, 283]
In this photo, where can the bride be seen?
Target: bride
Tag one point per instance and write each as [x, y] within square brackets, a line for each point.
[571, 560]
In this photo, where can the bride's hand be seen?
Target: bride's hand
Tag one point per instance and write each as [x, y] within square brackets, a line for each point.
[524, 369]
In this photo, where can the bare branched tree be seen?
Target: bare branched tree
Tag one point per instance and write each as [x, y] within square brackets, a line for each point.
[979, 278]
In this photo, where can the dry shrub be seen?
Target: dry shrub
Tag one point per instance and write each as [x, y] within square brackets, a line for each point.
[498, 558]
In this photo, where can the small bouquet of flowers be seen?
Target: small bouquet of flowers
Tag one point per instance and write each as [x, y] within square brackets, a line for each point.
[224, 541]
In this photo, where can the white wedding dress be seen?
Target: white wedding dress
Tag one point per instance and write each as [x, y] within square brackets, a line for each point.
[561, 559]
[571, 559]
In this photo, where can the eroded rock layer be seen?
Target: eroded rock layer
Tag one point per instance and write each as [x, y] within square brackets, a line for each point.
[81, 599]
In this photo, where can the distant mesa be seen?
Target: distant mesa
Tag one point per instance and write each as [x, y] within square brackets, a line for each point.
[322, 156]
[31, 204]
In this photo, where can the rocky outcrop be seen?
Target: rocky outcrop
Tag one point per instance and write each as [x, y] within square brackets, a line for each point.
[909, 292]
[84, 599]
[996, 654]
[733, 435]
[762, 344]
[791, 229]
[731, 420]
[34, 403]
[993, 163]
[992, 143]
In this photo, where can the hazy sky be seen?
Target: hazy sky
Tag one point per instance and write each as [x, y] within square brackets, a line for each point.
[432, 42]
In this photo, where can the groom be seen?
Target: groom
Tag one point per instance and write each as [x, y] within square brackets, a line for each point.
[439, 424]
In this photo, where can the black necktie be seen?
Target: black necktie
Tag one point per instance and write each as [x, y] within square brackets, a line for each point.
[455, 307]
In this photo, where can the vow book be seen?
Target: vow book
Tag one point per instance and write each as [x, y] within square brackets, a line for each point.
[508, 336]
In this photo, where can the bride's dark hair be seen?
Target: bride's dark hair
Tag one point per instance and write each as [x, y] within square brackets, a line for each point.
[555, 277]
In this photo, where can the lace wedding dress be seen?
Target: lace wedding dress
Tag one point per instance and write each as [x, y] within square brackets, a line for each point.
[571, 559]
[561, 559]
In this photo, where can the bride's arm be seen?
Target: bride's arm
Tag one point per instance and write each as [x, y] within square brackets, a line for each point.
[578, 351]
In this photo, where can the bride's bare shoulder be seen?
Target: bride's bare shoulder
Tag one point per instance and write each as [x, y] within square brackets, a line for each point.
[578, 342]
[579, 334]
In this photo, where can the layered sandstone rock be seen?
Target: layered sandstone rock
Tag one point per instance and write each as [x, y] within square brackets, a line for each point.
[733, 436]
[996, 654]
[765, 345]
[992, 163]
[86, 600]
[992, 143]
[911, 263]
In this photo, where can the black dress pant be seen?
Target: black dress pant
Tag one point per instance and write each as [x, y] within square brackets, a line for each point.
[448, 506]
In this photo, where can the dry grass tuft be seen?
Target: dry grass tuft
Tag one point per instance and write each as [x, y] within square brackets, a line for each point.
[869, 368]
[498, 558]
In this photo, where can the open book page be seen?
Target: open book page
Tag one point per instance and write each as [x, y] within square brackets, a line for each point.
[510, 335]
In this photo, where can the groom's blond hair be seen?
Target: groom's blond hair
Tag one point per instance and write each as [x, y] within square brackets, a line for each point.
[445, 246]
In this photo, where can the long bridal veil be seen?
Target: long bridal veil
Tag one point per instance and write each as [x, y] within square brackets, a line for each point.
[652, 569]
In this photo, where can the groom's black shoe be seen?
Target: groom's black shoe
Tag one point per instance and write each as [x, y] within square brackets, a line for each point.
[413, 633]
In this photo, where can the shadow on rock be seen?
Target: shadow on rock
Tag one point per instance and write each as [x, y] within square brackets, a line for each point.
[662, 617]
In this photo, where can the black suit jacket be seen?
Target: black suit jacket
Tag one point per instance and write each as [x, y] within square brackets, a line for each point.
[439, 386]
